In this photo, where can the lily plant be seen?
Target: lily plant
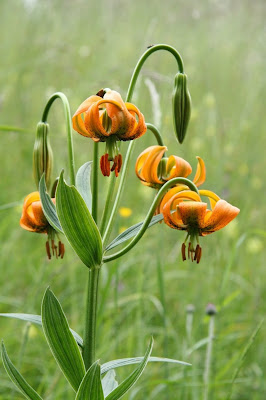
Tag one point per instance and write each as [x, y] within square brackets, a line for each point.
[71, 210]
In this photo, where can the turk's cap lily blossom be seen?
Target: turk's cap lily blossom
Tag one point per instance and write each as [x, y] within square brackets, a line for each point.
[34, 220]
[106, 118]
[186, 211]
[153, 169]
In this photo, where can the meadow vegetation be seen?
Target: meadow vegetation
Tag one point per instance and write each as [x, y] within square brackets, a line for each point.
[78, 48]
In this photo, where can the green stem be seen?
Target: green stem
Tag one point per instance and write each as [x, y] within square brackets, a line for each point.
[110, 193]
[156, 133]
[94, 208]
[118, 195]
[88, 353]
[144, 58]
[130, 91]
[208, 358]
[150, 214]
[65, 102]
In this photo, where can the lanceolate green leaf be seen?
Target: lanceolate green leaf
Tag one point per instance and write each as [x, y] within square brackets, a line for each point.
[37, 319]
[132, 231]
[48, 206]
[17, 378]
[136, 360]
[132, 378]
[61, 341]
[109, 383]
[83, 183]
[78, 224]
[91, 386]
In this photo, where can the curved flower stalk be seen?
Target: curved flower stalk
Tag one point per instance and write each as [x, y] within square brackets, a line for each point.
[185, 211]
[154, 169]
[106, 118]
[34, 220]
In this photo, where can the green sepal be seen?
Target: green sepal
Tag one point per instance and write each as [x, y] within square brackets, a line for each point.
[181, 102]
[61, 341]
[78, 225]
[17, 378]
[48, 206]
[42, 154]
[132, 378]
[91, 386]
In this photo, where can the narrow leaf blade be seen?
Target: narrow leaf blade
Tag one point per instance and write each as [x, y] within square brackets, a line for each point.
[136, 360]
[132, 231]
[78, 225]
[91, 386]
[37, 319]
[61, 341]
[17, 378]
[83, 183]
[109, 383]
[132, 378]
[48, 206]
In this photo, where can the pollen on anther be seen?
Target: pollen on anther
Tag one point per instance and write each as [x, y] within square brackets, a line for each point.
[196, 252]
[183, 251]
[199, 255]
[48, 251]
[61, 249]
[105, 165]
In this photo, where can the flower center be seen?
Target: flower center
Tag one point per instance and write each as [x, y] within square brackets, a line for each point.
[111, 154]
[194, 250]
[53, 249]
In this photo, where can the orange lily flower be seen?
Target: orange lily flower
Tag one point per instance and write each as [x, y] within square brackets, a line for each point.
[153, 169]
[34, 220]
[185, 211]
[106, 118]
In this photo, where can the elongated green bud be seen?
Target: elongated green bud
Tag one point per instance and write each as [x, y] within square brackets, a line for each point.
[181, 106]
[42, 154]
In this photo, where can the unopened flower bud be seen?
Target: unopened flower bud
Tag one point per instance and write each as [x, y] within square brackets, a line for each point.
[190, 309]
[42, 154]
[181, 101]
[211, 309]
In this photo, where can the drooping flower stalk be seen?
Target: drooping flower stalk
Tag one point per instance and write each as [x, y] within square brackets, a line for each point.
[67, 114]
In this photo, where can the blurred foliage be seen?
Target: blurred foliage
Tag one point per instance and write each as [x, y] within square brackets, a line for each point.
[78, 47]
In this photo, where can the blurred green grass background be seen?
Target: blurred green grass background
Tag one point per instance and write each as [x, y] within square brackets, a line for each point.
[78, 47]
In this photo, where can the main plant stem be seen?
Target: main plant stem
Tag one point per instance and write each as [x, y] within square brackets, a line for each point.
[91, 318]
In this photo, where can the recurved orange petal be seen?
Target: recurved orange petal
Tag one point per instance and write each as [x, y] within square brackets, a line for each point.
[211, 196]
[33, 218]
[177, 166]
[147, 164]
[123, 122]
[222, 214]
[171, 193]
[140, 126]
[78, 117]
[200, 175]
